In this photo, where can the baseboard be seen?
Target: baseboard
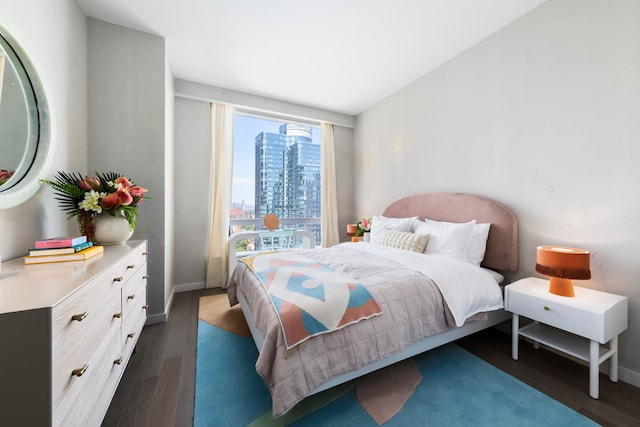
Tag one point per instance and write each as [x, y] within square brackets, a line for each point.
[186, 287]
[629, 376]
[162, 317]
[156, 318]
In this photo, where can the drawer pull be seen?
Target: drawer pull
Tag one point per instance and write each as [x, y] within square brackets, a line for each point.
[146, 276]
[131, 297]
[79, 372]
[145, 253]
[117, 315]
[129, 267]
[118, 279]
[146, 306]
[80, 317]
[118, 361]
[131, 335]
[547, 308]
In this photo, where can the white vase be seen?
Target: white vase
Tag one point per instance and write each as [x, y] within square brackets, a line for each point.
[111, 230]
[367, 236]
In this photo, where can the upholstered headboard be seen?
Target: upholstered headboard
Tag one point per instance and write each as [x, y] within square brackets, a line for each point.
[502, 244]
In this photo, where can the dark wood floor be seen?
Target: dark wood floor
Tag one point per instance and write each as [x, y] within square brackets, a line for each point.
[157, 388]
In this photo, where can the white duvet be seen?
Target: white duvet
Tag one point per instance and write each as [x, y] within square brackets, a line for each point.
[448, 273]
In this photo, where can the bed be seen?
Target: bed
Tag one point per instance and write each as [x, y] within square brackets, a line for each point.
[417, 314]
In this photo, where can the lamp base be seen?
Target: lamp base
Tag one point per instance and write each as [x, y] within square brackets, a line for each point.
[562, 287]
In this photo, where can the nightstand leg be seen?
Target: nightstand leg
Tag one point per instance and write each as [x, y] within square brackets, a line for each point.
[594, 363]
[613, 346]
[515, 330]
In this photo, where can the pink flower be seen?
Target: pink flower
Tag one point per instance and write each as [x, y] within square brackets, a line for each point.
[111, 201]
[125, 197]
[89, 183]
[137, 193]
[124, 182]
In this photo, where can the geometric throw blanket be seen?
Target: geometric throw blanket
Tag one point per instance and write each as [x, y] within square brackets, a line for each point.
[309, 297]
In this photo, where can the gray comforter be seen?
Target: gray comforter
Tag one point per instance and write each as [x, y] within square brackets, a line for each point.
[413, 308]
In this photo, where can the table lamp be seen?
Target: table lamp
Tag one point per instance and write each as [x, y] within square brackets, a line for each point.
[352, 230]
[563, 264]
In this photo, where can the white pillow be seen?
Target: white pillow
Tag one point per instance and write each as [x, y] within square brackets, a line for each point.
[448, 238]
[478, 243]
[380, 223]
[404, 240]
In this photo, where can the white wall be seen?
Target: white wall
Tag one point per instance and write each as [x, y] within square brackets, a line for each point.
[193, 156]
[54, 36]
[193, 131]
[541, 116]
[131, 132]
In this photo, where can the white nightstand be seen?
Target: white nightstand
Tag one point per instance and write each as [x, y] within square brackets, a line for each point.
[563, 323]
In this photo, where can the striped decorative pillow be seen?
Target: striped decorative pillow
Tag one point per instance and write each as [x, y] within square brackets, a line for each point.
[404, 240]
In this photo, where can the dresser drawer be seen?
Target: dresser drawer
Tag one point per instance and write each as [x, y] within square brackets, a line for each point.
[125, 268]
[134, 303]
[84, 404]
[81, 323]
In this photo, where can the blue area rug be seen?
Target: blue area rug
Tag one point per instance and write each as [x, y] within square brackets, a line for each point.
[456, 389]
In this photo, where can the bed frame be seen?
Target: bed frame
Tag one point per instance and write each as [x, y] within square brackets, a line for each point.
[501, 254]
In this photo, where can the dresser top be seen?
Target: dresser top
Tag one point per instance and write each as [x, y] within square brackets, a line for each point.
[30, 287]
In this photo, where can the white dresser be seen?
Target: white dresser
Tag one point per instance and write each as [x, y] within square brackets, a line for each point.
[67, 331]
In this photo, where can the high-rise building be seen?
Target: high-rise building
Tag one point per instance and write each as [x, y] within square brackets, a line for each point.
[287, 172]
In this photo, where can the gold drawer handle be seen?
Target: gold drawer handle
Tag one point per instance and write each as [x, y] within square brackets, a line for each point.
[547, 308]
[129, 267]
[118, 361]
[146, 276]
[131, 297]
[145, 253]
[80, 317]
[79, 372]
[118, 279]
[131, 335]
[117, 315]
[146, 306]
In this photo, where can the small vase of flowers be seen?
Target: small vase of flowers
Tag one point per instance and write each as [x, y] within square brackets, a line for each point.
[87, 197]
[364, 227]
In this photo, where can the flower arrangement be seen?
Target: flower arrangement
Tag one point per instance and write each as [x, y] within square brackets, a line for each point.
[89, 196]
[364, 226]
[5, 175]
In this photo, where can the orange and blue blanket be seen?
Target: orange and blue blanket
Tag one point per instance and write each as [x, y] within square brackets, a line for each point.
[310, 298]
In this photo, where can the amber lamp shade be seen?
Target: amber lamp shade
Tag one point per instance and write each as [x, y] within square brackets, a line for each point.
[563, 265]
[352, 229]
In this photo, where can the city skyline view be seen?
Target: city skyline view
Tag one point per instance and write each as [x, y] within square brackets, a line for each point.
[246, 129]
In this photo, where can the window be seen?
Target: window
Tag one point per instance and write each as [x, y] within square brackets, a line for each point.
[276, 169]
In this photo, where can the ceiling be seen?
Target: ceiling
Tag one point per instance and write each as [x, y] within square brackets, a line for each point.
[337, 55]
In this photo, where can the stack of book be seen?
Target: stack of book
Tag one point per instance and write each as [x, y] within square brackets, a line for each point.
[61, 249]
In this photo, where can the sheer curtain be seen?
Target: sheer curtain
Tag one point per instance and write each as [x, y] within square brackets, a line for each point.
[220, 182]
[329, 220]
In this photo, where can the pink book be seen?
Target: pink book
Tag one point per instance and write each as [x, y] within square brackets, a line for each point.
[60, 242]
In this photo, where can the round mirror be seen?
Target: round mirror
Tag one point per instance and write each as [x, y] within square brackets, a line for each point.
[25, 125]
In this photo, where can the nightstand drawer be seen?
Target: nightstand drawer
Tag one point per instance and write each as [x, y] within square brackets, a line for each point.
[571, 319]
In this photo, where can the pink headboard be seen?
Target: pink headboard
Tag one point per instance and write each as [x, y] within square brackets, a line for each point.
[502, 244]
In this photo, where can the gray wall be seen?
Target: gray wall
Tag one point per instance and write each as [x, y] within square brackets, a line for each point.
[131, 132]
[192, 169]
[541, 116]
[58, 52]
